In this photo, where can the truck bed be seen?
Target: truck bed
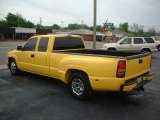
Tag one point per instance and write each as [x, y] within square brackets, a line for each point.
[105, 53]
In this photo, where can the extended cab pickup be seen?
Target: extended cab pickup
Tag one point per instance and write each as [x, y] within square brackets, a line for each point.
[64, 57]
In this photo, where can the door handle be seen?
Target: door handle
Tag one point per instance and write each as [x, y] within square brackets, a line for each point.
[130, 45]
[32, 55]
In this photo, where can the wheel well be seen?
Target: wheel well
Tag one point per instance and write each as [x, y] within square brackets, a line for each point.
[71, 71]
[9, 59]
[112, 48]
[146, 49]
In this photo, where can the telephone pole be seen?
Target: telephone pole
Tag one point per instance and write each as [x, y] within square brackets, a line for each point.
[94, 24]
[82, 24]
[40, 22]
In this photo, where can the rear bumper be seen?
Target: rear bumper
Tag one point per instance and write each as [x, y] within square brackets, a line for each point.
[154, 50]
[130, 85]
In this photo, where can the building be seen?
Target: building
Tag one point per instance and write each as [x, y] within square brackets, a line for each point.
[18, 33]
[87, 35]
[120, 34]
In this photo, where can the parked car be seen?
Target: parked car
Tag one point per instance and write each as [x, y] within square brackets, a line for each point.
[64, 57]
[133, 44]
[158, 44]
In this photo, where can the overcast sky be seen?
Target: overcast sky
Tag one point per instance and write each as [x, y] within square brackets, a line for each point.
[143, 12]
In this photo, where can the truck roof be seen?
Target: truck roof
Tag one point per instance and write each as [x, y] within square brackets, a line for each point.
[57, 35]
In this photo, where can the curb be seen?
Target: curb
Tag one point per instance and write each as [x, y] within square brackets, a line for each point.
[3, 66]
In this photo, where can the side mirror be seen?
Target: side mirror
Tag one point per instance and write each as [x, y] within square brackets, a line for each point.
[19, 48]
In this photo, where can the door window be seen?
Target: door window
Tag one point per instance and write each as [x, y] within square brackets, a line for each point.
[149, 40]
[43, 44]
[127, 41]
[30, 45]
[138, 41]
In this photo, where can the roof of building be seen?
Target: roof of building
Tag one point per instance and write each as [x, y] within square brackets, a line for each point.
[114, 32]
[82, 32]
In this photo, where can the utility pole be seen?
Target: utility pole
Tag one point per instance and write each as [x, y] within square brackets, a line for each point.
[62, 25]
[40, 22]
[94, 24]
[76, 26]
[82, 24]
[18, 21]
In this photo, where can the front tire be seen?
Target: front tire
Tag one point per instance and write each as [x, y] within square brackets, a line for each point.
[13, 67]
[79, 86]
[158, 47]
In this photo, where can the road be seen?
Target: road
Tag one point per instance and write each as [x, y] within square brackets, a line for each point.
[33, 97]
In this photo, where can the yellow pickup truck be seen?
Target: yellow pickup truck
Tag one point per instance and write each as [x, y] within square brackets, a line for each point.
[85, 70]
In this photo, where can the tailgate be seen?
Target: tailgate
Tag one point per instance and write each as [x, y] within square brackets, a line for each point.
[137, 65]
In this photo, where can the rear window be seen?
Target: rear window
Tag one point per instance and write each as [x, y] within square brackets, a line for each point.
[62, 43]
[43, 44]
[138, 41]
[149, 40]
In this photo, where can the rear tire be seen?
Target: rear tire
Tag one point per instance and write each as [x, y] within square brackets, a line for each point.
[80, 86]
[13, 67]
[112, 49]
[145, 51]
[158, 47]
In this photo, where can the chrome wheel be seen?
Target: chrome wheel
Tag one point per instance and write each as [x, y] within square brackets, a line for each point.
[77, 86]
[13, 67]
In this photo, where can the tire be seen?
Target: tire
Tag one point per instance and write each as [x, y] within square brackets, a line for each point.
[13, 67]
[145, 51]
[112, 49]
[79, 86]
[158, 47]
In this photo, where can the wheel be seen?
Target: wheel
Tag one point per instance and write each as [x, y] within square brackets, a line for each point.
[79, 86]
[112, 49]
[146, 51]
[158, 47]
[13, 67]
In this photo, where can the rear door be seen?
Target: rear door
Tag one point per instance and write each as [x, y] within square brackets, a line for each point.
[150, 43]
[138, 44]
[42, 57]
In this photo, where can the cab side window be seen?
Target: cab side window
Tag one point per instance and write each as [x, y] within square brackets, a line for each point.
[138, 41]
[43, 44]
[127, 41]
[30, 45]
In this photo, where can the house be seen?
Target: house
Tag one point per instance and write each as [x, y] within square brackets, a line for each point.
[87, 35]
[120, 34]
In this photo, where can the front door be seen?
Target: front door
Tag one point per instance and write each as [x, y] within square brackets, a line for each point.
[27, 55]
[125, 45]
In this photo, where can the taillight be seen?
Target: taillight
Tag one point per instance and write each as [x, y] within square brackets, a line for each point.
[121, 69]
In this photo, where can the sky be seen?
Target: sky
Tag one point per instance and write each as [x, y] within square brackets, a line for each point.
[142, 12]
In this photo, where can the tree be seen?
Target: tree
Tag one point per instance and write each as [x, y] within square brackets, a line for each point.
[17, 20]
[55, 26]
[99, 28]
[73, 26]
[124, 26]
[38, 26]
[3, 23]
[134, 27]
[151, 32]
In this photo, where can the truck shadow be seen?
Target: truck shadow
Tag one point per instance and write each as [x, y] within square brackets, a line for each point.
[57, 87]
